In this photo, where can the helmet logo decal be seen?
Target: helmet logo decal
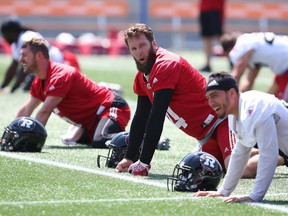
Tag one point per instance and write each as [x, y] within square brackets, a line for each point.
[23, 134]
[26, 124]
[208, 161]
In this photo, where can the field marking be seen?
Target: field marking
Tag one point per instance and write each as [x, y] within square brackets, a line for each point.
[96, 201]
[262, 205]
[113, 175]
[84, 169]
[270, 206]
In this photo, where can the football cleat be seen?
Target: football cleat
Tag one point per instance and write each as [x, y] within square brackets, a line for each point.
[139, 168]
[72, 135]
[163, 144]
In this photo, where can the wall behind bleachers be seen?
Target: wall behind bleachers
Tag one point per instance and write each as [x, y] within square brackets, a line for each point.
[180, 18]
[175, 22]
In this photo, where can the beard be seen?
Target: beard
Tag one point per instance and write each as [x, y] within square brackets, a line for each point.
[29, 69]
[146, 68]
[222, 115]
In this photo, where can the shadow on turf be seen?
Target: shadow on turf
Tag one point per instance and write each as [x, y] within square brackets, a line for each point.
[276, 202]
[280, 176]
[158, 176]
[68, 147]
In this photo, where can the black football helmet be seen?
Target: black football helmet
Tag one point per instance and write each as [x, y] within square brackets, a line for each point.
[24, 134]
[117, 148]
[196, 171]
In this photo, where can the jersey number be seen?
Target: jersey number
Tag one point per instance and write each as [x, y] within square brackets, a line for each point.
[175, 119]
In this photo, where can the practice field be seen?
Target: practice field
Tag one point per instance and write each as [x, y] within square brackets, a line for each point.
[64, 180]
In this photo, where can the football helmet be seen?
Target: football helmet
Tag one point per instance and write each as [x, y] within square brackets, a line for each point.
[196, 171]
[24, 134]
[117, 148]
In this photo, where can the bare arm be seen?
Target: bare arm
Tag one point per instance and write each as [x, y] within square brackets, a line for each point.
[45, 111]
[273, 88]
[240, 66]
[28, 108]
[251, 167]
[226, 161]
[249, 82]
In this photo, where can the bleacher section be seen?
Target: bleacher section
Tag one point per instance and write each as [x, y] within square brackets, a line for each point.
[175, 22]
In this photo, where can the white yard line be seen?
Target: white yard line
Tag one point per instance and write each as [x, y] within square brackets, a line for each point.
[113, 175]
[94, 201]
[270, 206]
[84, 169]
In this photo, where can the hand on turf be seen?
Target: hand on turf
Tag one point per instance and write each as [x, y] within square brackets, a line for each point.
[239, 199]
[207, 194]
[139, 168]
[123, 165]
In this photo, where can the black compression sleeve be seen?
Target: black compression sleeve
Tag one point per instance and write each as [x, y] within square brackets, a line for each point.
[137, 128]
[155, 123]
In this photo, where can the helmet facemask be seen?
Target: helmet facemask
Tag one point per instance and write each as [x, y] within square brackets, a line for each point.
[117, 148]
[185, 180]
[17, 137]
[115, 155]
[9, 137]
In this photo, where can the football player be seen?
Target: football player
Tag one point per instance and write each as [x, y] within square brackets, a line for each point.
[97, 112]
[255, 118]
[254, 50]
[167, 85]
[211, 23]
[16, 34]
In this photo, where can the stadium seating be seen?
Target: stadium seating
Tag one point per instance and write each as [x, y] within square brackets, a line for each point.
[174, 21]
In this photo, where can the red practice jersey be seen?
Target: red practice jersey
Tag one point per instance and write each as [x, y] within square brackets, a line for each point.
[188, 109]
[81, 96]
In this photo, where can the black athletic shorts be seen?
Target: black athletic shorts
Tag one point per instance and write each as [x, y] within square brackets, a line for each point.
[211, 23]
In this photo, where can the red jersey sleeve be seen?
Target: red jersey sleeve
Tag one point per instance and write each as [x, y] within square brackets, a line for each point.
[61, 83]
[166, 74]
[58, 83]
[139, 85]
